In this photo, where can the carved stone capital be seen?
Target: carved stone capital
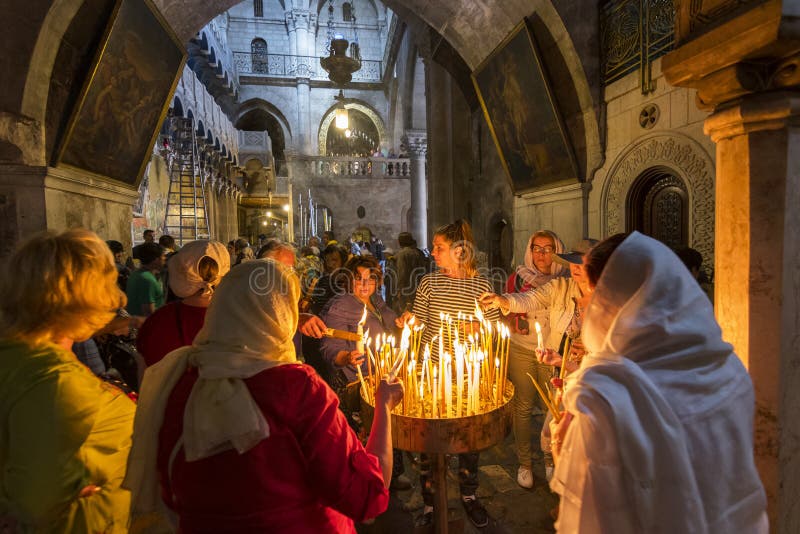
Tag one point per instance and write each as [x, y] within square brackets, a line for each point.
[753, 113]
[747, 77]
[754, 51]
[417, 142]
[298, 19]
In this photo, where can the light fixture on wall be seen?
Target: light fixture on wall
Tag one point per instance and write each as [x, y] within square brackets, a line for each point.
[342, 117]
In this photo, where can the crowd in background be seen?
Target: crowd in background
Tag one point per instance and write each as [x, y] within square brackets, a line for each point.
[209, 340]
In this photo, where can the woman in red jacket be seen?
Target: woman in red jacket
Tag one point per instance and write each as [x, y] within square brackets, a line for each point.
[242, 437]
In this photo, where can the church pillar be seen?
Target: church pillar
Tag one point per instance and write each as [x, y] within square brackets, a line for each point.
[417, 143]
[747, 71]
[298, 21]
[304, 115]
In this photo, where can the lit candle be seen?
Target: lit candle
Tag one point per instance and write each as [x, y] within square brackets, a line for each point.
[360, 331]
[435, 391]
[539, 340]
[497, 398]
[448, 386]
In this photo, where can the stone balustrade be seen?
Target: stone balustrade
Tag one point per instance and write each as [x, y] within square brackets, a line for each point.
[353, 167]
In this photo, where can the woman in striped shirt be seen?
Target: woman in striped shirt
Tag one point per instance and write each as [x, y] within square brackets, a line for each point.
[452, 289]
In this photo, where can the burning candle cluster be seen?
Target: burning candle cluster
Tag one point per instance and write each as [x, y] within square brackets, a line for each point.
[467, 378]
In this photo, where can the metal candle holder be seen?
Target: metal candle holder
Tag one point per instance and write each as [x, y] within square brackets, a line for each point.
[453, 435]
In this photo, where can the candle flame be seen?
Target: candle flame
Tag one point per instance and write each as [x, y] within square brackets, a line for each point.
[363, 317]
[538, 327]
[405, 338]
[478, 312]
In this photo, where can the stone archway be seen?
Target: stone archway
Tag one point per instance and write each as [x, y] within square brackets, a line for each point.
[687, 159]
[322, 136]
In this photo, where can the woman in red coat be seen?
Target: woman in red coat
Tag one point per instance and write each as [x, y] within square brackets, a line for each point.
[242, 437]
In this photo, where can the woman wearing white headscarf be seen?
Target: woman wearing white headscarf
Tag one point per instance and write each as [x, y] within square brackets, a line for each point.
[194, 271]
[537, 269]
[657, 435]
[243, 438]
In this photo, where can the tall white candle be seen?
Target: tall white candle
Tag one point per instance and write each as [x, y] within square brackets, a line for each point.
[539, 340]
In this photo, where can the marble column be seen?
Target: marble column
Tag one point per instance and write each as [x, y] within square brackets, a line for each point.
[417, 143]
[299, 22]
[746, 70]
[758, 276]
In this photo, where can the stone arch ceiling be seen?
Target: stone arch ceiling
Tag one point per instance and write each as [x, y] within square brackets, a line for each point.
[473, 27]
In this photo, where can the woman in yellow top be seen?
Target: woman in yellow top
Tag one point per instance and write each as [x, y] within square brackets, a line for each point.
[64, 434]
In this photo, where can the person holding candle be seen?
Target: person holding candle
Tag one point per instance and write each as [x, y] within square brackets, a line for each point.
[658, 431]
[538, 269]
[561, 300]
[345, 312]
[244, 438]
[450, 290]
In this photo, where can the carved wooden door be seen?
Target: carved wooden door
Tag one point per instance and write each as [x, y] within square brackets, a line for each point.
[658, 206]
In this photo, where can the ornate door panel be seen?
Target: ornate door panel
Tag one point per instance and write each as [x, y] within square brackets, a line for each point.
[658, 206]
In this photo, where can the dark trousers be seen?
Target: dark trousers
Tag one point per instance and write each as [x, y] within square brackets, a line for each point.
[467, 476]
[397, 463]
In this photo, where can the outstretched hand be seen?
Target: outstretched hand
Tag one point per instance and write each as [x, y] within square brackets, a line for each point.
[389, 394]
[489, 301]
[310, 325]
[549, 357]
[403, 319]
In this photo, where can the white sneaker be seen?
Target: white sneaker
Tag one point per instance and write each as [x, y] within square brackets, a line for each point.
[525, 477]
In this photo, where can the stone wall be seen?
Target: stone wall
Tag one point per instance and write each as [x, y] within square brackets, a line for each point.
[385, 201]
[675, 141]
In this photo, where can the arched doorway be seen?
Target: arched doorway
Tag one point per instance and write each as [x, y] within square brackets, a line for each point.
[658, 206]
[501, 249]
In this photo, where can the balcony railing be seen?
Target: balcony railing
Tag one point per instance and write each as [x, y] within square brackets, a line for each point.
[634, 33]
[288, 66]
[345, 167]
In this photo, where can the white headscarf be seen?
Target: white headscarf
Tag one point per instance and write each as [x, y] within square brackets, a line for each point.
[528, 271]
[184, 278]
[660, 404]
[248, 328]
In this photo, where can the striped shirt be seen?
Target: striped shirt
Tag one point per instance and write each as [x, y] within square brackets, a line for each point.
[438, 292]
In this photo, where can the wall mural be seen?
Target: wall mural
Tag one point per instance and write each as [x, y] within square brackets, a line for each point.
[125, 96]
[521, 113]
[150, 210]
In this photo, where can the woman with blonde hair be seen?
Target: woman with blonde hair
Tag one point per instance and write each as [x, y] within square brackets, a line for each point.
[452, 289]
[66, 434]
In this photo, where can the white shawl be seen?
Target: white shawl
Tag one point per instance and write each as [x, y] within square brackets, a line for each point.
[662, 435]
[248, 328]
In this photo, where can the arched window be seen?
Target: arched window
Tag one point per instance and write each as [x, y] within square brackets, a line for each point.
[347, 12]
[258, 8]
[258, 47]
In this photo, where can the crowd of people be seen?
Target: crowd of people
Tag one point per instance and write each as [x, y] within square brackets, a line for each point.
[193, 388]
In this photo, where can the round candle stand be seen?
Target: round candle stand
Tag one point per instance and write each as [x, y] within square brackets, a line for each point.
[439, 437]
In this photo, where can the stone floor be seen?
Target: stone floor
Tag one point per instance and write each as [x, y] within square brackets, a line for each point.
[511, 508]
